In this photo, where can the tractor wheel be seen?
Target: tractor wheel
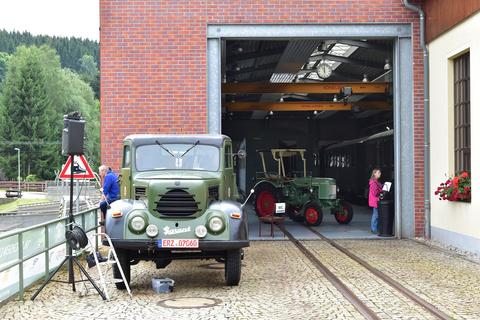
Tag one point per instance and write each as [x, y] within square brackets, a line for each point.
[344, 213]
[265, 199]
[124, 261]
[233, 267]
[313, 214]
[295, 213]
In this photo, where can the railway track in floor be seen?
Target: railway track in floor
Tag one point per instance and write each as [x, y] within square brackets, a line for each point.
[360, 305]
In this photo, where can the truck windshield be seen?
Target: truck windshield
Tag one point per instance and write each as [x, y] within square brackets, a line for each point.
[154, 157]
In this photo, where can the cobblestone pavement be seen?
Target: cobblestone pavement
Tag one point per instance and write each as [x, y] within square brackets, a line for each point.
[450, 283]
[279, 282]
[384, 300]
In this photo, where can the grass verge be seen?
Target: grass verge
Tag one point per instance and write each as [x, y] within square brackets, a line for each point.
[12, 206]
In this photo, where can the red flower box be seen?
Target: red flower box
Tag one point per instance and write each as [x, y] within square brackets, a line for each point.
[457, 188]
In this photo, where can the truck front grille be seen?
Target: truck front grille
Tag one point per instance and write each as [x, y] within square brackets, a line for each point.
[177, 202]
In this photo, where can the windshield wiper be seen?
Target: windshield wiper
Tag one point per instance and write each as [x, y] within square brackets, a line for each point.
[194, 145]
[161, 146]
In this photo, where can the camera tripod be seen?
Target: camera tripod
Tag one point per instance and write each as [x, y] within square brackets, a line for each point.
[70, 258]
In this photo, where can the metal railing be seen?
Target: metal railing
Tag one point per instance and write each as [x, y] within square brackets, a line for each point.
[27, 245]
[39, 186]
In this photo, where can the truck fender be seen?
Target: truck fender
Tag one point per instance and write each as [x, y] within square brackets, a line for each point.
[238, 227]
[114, 227]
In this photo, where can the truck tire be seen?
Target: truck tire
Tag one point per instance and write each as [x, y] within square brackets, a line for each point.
[344, 213]
[124, 260]
[313, 214]
[265, 199]
[233, 267]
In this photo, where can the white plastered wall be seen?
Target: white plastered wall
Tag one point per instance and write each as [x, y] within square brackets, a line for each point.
[454, 223]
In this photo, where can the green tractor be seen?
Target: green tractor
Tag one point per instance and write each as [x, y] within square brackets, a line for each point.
[305, 197]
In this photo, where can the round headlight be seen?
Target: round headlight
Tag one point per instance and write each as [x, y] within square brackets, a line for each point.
[201, 231]
[138, 223]
[215, 224]
[152, 230]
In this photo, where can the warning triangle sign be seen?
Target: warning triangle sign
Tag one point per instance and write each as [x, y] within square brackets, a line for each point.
[81, 169]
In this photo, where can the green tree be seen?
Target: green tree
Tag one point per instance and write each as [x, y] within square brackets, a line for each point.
[63, 91]
[80, 97]
[27, 114]
[69, 49]
[89, 73]
[3, 66]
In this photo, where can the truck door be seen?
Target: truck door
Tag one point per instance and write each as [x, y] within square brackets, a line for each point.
[126, 173]
[228, 174]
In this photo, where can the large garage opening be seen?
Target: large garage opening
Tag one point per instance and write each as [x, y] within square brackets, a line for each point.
[308, 112]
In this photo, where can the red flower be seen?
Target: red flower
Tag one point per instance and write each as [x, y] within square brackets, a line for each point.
[457, 188]
[455, 182]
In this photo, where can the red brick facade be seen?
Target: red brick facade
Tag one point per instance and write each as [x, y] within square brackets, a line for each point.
[153, 61]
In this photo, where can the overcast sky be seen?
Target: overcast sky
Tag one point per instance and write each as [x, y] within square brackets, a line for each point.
[78, 18]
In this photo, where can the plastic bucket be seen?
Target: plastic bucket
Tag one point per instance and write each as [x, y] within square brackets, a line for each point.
[162, 285]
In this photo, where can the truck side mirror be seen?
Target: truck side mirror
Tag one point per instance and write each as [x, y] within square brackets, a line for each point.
[252, 191]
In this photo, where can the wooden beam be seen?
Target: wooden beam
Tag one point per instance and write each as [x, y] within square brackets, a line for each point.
[321, 87]
[306, 106]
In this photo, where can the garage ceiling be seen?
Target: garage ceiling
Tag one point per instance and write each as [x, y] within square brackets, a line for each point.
[296, 61]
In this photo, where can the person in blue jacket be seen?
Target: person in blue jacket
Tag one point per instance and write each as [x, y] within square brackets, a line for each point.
[110, 190]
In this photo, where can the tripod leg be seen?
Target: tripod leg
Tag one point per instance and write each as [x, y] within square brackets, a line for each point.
[89, 278]
[71, 274]
[48, 280]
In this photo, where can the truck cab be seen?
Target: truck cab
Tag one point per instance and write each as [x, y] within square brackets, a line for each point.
[178, 201]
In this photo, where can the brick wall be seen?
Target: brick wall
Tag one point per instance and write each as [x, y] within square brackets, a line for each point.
[153, 61]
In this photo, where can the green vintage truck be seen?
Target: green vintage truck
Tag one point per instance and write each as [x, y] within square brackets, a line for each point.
[178, 201]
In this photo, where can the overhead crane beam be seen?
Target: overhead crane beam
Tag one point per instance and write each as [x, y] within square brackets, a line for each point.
[308, 106]
[320, 87]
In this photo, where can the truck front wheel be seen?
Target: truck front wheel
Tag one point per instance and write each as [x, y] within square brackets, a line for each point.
[233, 267]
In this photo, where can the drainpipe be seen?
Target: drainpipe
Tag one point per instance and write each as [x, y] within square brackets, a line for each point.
[426, 118]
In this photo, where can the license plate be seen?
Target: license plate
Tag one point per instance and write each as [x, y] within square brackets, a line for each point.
[178, 243]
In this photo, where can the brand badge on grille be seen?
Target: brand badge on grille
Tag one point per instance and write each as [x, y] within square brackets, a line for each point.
[170, 231]
[177, 183]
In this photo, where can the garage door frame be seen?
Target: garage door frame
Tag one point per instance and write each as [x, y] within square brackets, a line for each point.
[400, 34]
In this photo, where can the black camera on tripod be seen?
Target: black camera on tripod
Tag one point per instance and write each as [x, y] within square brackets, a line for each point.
[73, 134]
